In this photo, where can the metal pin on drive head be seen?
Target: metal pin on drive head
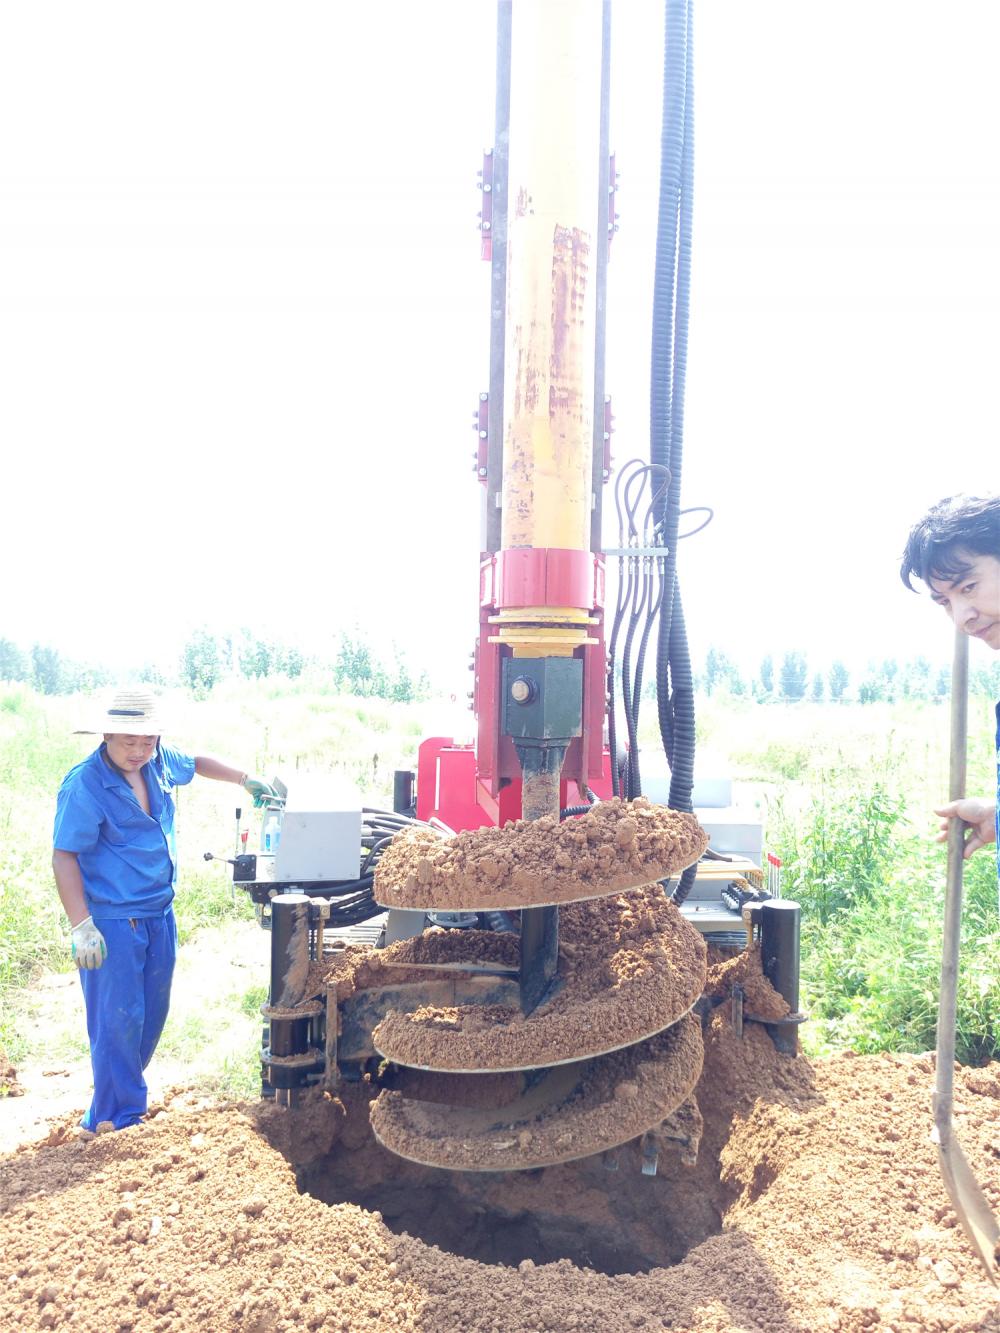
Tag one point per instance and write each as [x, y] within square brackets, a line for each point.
[522, 691]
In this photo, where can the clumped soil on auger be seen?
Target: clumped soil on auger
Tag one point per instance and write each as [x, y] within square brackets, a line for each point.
[629, 965]
[616, 845]
[611, 1101]
[816, 1204]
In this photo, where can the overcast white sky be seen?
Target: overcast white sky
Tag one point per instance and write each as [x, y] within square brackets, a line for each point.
[243, 322]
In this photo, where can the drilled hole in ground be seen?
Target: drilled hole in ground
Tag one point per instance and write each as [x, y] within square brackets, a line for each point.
[610, 1221]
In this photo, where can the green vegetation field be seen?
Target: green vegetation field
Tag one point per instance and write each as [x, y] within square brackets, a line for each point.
[846, 793]
[266, 726]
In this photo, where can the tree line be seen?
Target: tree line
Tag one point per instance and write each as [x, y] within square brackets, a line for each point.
[792, 679]
[208, 658]
[355, 667]
[48, 671]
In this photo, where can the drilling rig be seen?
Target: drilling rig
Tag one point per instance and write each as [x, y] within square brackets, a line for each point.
[534, 992]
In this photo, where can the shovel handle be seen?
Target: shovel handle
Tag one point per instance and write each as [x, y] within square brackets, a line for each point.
[977, 1218]
[947, 1007]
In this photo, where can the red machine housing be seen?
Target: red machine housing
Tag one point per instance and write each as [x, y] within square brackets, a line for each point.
[468, 786]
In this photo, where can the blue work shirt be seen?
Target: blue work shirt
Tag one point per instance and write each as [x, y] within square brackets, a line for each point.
[128, 859]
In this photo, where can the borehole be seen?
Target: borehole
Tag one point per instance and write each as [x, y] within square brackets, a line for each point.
[611, 1221]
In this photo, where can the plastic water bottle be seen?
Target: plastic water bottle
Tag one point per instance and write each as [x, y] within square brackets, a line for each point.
[271, 832]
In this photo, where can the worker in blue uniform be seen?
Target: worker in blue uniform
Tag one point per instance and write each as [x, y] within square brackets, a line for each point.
[115, 864]
[955, 550]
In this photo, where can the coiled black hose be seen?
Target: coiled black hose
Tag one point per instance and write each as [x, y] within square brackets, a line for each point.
[672, 284]
[570, 810]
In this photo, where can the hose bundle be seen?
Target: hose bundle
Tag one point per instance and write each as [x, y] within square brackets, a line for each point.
[640, 593]
[648, 587]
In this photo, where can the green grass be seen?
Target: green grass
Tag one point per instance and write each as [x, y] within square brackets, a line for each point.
[252, 1000]
[215, 1037]
[265, 726]
[847, 796]
[202, 901]
[872, 894]
[846, 793]
[36, 750]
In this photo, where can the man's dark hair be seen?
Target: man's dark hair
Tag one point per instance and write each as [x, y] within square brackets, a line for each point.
[954, 528]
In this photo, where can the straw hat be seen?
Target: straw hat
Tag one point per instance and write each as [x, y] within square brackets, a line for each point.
[130, 712]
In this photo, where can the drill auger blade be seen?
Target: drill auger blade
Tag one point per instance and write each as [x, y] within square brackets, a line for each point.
[654, 972]
[613, 848]
[574, 1110]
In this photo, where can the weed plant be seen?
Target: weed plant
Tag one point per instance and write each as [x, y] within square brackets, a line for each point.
[871, 884]
[846, 795]
[35, 750]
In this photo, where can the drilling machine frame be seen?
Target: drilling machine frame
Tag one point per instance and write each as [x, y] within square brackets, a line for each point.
[542, 672]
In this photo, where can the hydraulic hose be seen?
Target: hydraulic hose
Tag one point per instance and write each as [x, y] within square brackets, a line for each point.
[633, 785]
[355, 900]
[625, 577]
[612, 685]
[671, 305]
[568, 811]
[681, 711]
[651, 614]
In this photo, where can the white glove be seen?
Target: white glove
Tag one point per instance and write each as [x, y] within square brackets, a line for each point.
[89, 949]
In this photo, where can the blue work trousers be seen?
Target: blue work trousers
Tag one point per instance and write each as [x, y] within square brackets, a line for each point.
[127, 999]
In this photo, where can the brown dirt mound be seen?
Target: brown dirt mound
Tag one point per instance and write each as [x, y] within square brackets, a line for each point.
[617, 845]
[832, 1210]
[629, 967]
[601, 1105]
[760, 998]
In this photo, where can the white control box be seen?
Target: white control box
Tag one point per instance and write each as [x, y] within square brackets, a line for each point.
[320, 832]
[733, 831]
[730, 828]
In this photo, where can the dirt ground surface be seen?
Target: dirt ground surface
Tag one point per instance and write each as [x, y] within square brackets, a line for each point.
[815, 1204]
[615, 846]
[214, 971]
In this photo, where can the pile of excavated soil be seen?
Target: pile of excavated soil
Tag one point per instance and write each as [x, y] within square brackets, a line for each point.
[760, 998]
[615, 846]
[628, 967]
[601, 1105]
[819, 1181]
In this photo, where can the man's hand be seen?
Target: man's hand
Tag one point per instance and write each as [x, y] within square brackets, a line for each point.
[979, 815]
[261, 791]
[89, 949]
